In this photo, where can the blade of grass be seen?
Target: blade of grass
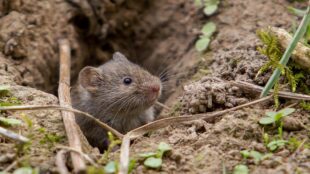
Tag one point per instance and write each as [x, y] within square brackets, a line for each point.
[285, 58]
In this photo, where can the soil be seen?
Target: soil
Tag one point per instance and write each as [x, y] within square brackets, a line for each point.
[159, 35]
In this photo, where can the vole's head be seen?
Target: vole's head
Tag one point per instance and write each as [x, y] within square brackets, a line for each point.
[121, 85]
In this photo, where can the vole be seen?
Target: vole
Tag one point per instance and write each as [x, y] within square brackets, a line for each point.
[119, 93]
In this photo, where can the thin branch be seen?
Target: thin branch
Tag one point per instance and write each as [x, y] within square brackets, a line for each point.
[57, 107]
[85, 156]
[258, 89]
[65, 100]
[12, 165]
[13, 135]
[61, 162]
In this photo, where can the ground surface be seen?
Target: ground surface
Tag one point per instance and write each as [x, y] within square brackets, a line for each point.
[159, 35]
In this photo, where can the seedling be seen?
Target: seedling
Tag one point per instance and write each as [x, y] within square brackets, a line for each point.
[276, 144]
[204, 39]
[154, 159]
[111, 167]
[112, 143]
[50, 139]
[241, 169]
[257, 156]
[209, 6]
[276, 117]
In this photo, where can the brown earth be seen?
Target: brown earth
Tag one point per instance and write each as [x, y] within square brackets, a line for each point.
[159, 35]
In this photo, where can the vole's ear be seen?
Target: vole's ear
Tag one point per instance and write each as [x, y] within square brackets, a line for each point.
[90, 78]
[119, 57]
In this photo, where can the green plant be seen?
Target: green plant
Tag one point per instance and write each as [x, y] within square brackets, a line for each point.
[241, 169]
[286, 56]
[9, 121]
[257, 156]
[296, 11]
[209, 6]
[204, 39]
[276, 144]
[4, 90]
[26, 170]
[305, 105]
[112, 143]
[276, 117]
[50, 139]
[111, 167]
[154, 159]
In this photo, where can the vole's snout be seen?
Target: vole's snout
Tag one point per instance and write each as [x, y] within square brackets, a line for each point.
[152, 91]
[155, 88]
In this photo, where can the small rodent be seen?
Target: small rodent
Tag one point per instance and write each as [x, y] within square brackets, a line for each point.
[119, 93]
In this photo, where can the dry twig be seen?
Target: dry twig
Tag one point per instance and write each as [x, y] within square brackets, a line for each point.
[85, 156]
[258, 89]
[301, 53]
[13, 135]
[65, 100]
[61, 162]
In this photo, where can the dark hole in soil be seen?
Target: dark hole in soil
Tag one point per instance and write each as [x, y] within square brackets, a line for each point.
[81, 22]
[148, 33]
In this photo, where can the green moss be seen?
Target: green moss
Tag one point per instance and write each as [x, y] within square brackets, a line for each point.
[293, 74]
[305, 105]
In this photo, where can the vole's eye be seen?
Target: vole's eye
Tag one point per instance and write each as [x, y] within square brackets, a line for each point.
[127, 81]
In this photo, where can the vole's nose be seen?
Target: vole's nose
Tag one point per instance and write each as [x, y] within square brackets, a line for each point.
[155, 88]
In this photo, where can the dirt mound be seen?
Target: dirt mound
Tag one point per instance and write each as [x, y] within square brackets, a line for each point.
[159, 35]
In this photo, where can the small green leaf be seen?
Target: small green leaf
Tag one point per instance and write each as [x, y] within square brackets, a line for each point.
[241, 169]
[256, 156]
[202, 44]
[111, 167]
[286, 111]
[273, 145]
[10, 121]
[153, 162]
[278, 116]
[266, 120]
[245, 153]
[296, 11]
[210, 9]
[147, 154]
[271, 114]
[164, 147]
[26, 170]
[208, 29]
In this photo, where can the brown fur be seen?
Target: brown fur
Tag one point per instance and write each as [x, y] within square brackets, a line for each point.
[102, 93]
